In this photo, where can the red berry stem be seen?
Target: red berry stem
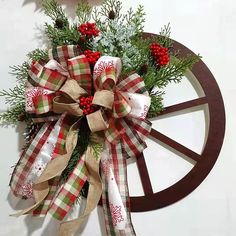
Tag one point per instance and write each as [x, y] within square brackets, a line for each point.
[89, 30]
[92, 56]
[160, 54]
[86, 105]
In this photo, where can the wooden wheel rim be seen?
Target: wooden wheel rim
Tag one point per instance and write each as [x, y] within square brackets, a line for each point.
[204, 161]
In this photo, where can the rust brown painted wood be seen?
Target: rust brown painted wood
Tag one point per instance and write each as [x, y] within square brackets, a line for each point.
[143, 172]
[183, 106]
[175, 145]
[210, 152]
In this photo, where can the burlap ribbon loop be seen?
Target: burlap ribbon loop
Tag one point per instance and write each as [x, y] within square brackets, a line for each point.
[97, 121]
[104, 98]
[73, 90]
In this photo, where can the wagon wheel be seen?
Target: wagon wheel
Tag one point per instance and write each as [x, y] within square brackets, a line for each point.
[204, 162]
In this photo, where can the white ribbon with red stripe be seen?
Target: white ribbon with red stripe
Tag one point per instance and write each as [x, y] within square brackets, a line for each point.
[139, 104]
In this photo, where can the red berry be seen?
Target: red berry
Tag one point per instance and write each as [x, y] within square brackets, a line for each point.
[160, 54]
[88, 29]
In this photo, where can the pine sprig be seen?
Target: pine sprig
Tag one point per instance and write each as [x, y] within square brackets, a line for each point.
[58, 37]
[14, 96]
[110, 6]
[11, 115]
[156, 104]
[54, 11]
[81, 146]
[136, 17]
[164, 36]
[38, 55]
[20, 72]
[97, 149]
[175, 70]
[83, 12]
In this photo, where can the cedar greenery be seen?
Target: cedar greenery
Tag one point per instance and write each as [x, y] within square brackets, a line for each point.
[135, 56]
[38, 55]
[121, 35]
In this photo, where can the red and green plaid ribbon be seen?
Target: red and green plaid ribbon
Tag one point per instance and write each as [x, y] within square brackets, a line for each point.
[119, 166]
[62, 53]
[65, 63]
[80, 71]
[51, 79]
[69, 191]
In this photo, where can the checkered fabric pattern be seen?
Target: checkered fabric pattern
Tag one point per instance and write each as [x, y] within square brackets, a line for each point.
[51, 79]
[43, 103]
[34, 72]
[43, 208]
[142, 127]
[132, 139]
[63, 53]
[60, 147]
[22, 169]
[130, 144]
[70, 191]
[79, 70]
[121, 107]
[132, 84]
[114, 132]
[118, 160]
[107, 80]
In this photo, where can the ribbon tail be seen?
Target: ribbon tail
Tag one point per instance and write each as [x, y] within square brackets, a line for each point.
[54, 168]
[95, 190]
[117, 223]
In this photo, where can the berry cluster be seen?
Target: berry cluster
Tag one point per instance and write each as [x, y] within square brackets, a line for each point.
[86, 105]
[160, 54]
[88, 29]
[92, 56]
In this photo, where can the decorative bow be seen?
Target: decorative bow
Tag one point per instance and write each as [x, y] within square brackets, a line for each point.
[122, 105]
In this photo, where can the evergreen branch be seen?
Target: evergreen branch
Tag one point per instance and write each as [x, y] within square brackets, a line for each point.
[164, 36]
[156, 104]
[83, 12]
[38, 55]
[175, 70]
[137, 18]
[111, 6]
[54, 11]
[68, 35]
[11, 115]
[81, 146]
[14, 96]
[20, 71]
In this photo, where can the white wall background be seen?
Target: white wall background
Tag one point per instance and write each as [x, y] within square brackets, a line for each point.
[205, 26]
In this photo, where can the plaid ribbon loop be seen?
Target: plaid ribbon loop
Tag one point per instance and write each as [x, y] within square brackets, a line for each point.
[65, 64]
[130, 96]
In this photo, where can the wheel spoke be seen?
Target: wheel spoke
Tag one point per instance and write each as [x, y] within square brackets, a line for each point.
[175, 145]
[144, 175]
[184, 105]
